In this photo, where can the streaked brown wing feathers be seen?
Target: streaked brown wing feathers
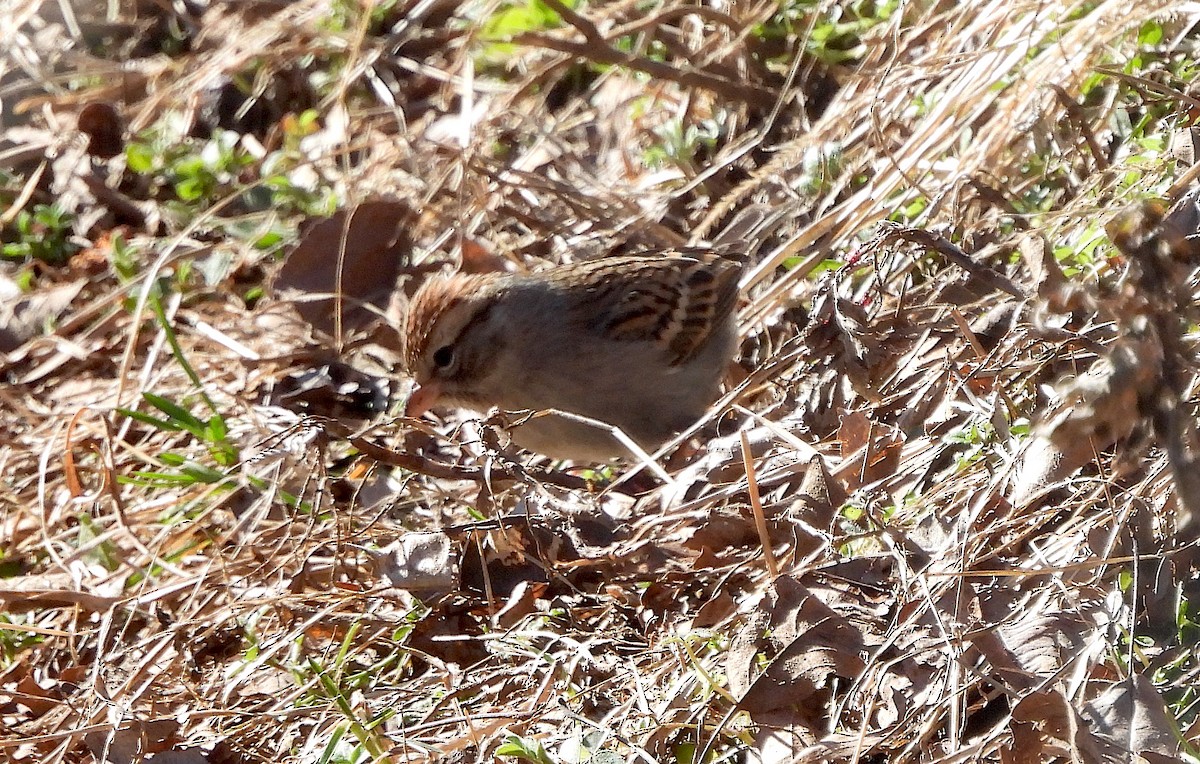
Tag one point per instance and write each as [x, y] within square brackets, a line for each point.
[675, 301]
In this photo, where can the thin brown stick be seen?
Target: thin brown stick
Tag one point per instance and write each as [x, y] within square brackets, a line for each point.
[965, 328]
[595, 47]
[444, 471]
[952, 253]
[1076, 113]
[760, 521]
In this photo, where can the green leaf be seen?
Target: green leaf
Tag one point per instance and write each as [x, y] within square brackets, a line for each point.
[103, 552]
[202, 474]
[192, 165]
[1150, 34]
[177, 413]
[149, 479]
[139, 158]
[216, 428]
[190, 189]
[268, 240]
[155, 422]
[526, 750]
[224, 454]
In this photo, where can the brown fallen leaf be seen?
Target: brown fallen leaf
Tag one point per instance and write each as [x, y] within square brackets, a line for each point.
[24, 593]
[1133, 717]
[347, 264]
[25, 317]
[808, 645]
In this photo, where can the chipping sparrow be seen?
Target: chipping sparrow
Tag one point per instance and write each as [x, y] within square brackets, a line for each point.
[639, 342]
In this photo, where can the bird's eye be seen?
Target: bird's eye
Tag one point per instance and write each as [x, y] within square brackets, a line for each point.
[443, 356]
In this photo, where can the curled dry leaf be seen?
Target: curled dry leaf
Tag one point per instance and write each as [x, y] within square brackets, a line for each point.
[1045, 726]
[808, 645]
[25, 593]
[1093, 412]
[1131, 716]
[134, 740]
[418, 562]
[24, 317]
[334, 389]
[870, 451]
[347, 264]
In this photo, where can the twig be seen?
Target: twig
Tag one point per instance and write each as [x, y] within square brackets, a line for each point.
[589, 30]
[596, 48]
[760, 522]
[22, 199]
[1075, 112]
[1170, 93]
[444, 471]
[952, 253]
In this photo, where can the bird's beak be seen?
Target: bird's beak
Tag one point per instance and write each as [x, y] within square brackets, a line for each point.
[422, 398]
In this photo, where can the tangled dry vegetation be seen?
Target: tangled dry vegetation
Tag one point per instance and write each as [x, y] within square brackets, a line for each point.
[945, 512]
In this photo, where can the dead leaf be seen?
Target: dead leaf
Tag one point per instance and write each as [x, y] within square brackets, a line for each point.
[132, 743]
[870, 451]
[807, 645]
[1131, 715]
[1093, 412]
[819, 498]
[1046, 727]
[522, 601]
[333, 389]
[24, 593]
[479, 256]
[1038, 257]
[418, 562]
[347, 262]
[26, 317]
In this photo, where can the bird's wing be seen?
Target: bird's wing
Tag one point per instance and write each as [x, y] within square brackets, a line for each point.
[672, 299]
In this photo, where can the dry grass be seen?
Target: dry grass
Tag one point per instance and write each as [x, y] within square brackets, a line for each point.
[967, 402]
